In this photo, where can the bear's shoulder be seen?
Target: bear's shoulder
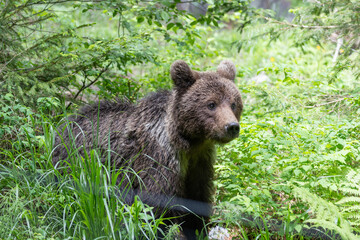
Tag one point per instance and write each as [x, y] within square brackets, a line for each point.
[105, 107]
[157, 98]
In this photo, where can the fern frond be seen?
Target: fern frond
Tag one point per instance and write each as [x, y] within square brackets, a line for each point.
[323, 209]
[353, 177]
[353, 215]
[327, 214]
[345, 233]
[350, 205]
[354, 208]
[349, 200]
[350, 190]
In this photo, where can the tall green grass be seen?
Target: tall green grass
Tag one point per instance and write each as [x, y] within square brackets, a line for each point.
[76, 200]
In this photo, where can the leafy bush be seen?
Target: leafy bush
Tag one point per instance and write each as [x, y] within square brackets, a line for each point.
[298, 151]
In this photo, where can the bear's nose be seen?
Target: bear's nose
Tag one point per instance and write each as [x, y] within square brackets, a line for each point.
[232, 129]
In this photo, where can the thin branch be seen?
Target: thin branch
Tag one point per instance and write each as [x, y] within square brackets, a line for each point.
[42, 42]
[327, 103]
[301, 26]
[26, 70]
[89, 84]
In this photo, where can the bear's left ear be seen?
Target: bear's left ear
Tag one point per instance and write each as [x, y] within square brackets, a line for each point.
[227, 70]
[182, 75]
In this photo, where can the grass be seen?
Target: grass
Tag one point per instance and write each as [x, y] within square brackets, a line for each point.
[45, 202]
[292, 162]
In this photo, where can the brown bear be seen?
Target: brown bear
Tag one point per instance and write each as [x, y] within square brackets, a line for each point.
[168, 138]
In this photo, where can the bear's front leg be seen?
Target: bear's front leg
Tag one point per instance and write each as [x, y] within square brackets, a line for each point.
[198, 196]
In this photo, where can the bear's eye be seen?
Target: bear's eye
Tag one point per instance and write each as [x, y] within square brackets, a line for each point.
[212, 106]
[233, 106]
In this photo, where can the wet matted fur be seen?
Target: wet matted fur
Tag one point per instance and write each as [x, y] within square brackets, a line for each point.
[168, 138]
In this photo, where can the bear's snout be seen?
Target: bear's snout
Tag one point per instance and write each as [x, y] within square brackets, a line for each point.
[232, 129]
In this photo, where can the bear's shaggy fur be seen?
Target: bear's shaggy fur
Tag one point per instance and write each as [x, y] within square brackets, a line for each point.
[169, 137]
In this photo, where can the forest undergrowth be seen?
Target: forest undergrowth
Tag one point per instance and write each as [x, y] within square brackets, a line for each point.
[293, 173]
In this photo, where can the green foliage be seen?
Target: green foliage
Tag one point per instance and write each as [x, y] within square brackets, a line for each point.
[84, 204]
[80, 53]
[349, 204]
[16, 121]
[282, 145]
[299, 131]
[315, 21]
[328, 215]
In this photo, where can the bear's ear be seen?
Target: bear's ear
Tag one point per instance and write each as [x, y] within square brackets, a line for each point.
[227, 70]
[182, 75]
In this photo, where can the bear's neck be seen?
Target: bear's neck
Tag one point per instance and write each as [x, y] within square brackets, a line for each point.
[195, 155]
[197, 170]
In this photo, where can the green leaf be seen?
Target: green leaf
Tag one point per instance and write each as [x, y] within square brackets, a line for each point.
[298, 228]
[297, 172]
[140, 19]
[165, 16]
[191, 41]
[306, 168]
[170, 25]
[215, 23]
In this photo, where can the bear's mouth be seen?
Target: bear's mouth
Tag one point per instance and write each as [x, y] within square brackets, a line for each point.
[225, 139]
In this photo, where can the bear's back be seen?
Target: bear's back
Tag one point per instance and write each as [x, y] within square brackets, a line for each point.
[129, 127]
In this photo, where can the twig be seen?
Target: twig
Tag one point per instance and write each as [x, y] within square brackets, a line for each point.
[42, 42]
[301, 26]
[327, 103]
[89, 84]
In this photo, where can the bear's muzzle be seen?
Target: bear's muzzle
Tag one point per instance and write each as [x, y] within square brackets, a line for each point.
[232, 130]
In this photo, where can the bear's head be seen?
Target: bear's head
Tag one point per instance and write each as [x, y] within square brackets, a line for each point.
[207, 105]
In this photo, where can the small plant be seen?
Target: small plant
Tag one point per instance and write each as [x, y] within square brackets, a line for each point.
[350, 205]
[327, 214]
